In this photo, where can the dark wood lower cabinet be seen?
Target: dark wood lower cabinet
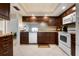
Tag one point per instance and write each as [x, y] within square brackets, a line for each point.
[47, 38]
[53, 37]
[73, 45]
[6, 45]
[43, 38]
[24, 37]
[56, 38]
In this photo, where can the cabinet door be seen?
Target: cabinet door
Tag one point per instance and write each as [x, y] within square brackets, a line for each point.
[73, 44]
[56, 38]
[5, 10]
[43, 38]
[53, 37]
[24, 38]
[6, 46]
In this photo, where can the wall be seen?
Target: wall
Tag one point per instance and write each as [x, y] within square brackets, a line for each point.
[8, 26]
[12, 25]
[1, 26]
[77, 31]
[72, 28]
[19, 26]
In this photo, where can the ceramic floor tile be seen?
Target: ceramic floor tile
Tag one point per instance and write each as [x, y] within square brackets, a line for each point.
[33, 50]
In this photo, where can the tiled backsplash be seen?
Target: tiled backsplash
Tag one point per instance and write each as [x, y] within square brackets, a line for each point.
[0, 32]
[29, 26]
[72, 28]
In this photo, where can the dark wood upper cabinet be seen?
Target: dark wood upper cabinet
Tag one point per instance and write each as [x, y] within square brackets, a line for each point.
[58, 21]
[25, 19]
[68, 11]
[51, 21]
[5, 11]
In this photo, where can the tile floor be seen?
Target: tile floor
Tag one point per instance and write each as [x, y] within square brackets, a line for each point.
[33, 50]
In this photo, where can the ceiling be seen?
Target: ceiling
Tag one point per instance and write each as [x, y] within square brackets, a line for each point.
[40, 9]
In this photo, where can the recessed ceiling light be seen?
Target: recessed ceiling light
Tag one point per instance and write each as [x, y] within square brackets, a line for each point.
[45, 17]
[45, 14]
[63, 7]
[33, 17]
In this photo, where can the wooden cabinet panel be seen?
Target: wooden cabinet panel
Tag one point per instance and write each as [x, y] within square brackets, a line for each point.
[47, 38]
[6, 45]
[52, 21]
[68, 11]
[43, 38]
[5, 10]
[56, 38]
[58, 21]
[73, 45]
[24, 37]
[25, 19]
[52, 37]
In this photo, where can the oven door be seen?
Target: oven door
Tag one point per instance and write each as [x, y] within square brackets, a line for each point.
[65, 39]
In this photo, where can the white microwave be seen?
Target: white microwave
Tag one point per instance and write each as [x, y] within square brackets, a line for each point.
[70, 18]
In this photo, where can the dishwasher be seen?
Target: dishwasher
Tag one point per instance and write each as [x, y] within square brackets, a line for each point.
[32, 37]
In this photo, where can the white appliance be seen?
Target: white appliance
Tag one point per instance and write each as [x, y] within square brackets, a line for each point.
[34, 29]
[69, 18]
[32, 37]
[74, 16]
[65, 42]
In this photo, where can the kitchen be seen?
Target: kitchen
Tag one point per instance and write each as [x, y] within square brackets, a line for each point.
[35, 27]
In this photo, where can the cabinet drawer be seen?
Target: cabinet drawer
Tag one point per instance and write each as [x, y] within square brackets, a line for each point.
[5, 53]
[6, 46]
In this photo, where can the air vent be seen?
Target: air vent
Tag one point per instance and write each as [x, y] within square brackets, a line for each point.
[16, 8]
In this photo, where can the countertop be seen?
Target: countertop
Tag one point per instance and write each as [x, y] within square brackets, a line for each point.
[67, 32]
[41, 31]
[47, 29]
[1, 35]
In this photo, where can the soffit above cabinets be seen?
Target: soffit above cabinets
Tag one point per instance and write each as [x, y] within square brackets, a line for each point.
[41, 9]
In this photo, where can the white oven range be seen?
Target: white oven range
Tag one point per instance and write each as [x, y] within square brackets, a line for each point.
[65, 42]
